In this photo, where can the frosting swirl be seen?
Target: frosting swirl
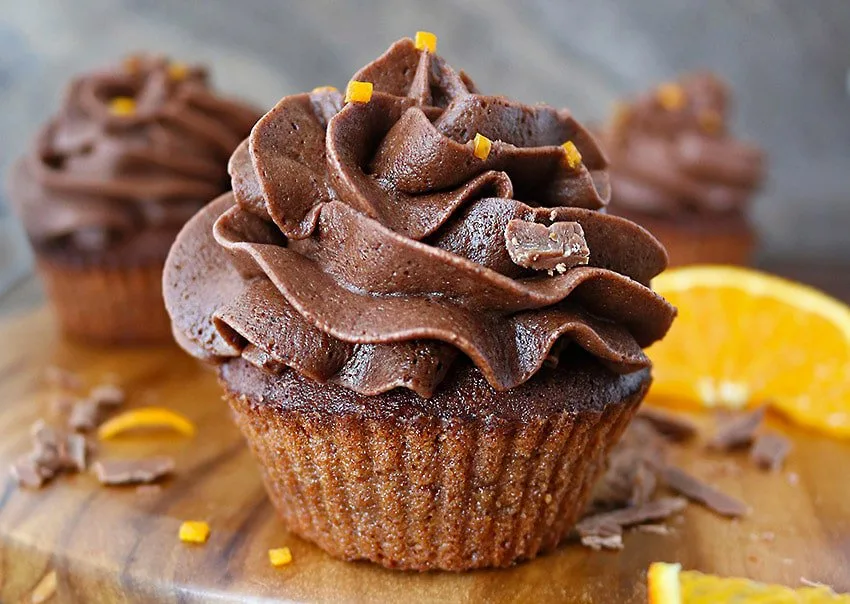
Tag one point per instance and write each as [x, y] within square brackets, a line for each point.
[671, 152]
[137, 147]
[364, 243]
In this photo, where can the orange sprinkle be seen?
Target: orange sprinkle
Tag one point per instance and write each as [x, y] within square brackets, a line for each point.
[671, 96]
[710, 121]
[425, 40]
[280, 556]
[194, 531]
[178, 71]
[324, 89]
[358, 92]
[146, 417]
[481, 146]
[572, 155]
[132, 64]
[122, 105]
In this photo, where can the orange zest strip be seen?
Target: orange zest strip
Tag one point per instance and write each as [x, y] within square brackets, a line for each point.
[481, 146]
[146, 417]
[670, 96]
[194, 531]
[122, 105]
[572, 155]
[425, 40]
[358, 92]
[280, 556]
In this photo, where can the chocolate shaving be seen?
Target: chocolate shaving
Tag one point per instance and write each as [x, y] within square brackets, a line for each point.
[133, 471]
[46, 454]
[557, 247]
[696, 490]
[769, 451]
[62, 378]
[75, 452]
[660, 509]
[655, 529]
[108, 395]
[27, 473]
[85, 416]
[599, 542]
[738, 432]
[672, 426]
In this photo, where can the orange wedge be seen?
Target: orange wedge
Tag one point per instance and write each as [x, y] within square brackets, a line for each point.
[668, 584]
[744, 338]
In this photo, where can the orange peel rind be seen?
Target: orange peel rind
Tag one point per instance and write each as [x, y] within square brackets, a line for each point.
[146, 417]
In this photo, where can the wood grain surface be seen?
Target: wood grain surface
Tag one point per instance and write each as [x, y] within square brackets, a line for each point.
[118, 545]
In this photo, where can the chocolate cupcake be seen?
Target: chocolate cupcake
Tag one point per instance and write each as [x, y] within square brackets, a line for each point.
[426, 330]
[677, 171]
[133, 153]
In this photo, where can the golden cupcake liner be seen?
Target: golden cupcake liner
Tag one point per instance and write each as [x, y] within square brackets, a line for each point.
[412, 491]
[108, 305]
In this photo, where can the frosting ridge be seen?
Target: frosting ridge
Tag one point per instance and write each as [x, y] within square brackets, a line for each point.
[364, 243]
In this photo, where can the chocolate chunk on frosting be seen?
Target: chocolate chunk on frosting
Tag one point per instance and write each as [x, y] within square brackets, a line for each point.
[671, 151]
[364, 242]
[134, 148]
[554, 248]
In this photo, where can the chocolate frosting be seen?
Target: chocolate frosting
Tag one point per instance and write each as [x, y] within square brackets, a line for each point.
[671, 151]
[98, 177]
[364, 243]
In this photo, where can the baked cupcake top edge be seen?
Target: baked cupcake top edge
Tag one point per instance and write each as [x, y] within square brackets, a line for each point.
[374, 237]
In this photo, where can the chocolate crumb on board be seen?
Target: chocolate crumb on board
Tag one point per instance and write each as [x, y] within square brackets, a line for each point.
[655, 529]
[613, 541]
[62, 378]
[85, 416]
[769, 451]
[670, 425]
[737, 432]
[694, 489]
[556, 247]
[75, 452]
[133, 471]
[108, 395]
[27, 473]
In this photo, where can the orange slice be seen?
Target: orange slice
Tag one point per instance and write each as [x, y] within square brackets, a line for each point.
[668, 584]
[744, 338]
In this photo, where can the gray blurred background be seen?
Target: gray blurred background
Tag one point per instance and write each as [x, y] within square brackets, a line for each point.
[787, 60]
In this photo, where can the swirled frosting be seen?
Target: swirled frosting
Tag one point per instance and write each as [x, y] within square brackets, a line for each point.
[364, 244]
[671, 152]
[133, 153]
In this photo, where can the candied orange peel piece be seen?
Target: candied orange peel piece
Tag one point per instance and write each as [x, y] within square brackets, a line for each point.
[146, 417]
[481, 146]
[710, 121]
[280, 556]
[425, 40]
[324, 89]
[671, 96]
[194, 531]
[178, 71]
[572, 155]
[358, 92]
[122, 105]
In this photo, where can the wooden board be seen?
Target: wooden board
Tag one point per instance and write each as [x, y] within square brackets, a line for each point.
[116, 545]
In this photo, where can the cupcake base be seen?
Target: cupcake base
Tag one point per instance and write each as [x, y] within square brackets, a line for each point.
[700, 239]
[107, 305]
[470, 478]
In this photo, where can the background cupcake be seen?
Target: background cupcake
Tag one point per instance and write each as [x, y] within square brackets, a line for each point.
[429, 369]
[134, 151]
[676, 170]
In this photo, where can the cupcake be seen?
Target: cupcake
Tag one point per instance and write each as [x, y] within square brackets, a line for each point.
[133, 153]
[425, 328]
[677, 171]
